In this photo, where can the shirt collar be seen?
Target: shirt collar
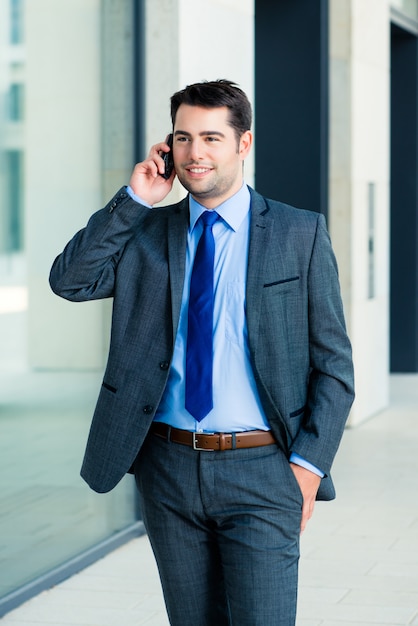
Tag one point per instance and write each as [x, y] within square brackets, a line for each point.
[233, 211]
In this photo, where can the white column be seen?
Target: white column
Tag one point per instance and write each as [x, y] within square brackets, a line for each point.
[189, 41]
[359, 161]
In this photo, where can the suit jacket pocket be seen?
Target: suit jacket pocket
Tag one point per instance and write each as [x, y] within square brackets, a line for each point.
[282, 282]
[110, 388]
[298, 411]
[282, 293]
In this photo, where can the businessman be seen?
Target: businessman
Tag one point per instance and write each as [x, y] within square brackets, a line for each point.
[229, 378]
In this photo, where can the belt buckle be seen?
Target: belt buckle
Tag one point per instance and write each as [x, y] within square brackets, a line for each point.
[195, 442]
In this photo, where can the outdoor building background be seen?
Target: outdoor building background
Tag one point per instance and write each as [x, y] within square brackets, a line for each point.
[84, 92]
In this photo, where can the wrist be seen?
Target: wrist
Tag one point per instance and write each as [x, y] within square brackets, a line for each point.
[137, 198]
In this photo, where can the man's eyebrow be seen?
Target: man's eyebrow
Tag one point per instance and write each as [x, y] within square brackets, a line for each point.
[204, 133]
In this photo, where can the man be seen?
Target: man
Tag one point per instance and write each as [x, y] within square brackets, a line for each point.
[229, 415]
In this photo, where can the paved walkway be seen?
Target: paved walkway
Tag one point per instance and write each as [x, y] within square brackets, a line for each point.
[359, 564]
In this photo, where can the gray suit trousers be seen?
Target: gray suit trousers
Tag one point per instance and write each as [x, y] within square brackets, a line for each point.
[224, 527]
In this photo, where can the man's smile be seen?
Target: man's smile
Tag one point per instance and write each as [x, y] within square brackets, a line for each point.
[194, 169]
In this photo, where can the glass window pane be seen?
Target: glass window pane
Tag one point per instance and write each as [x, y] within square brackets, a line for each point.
[16, 21]
[59, 121]
[11, 202]
[16, 103]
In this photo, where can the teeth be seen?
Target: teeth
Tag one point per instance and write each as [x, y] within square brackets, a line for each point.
[198, 170]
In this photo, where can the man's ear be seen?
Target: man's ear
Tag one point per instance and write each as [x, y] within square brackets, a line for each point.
[245, 143]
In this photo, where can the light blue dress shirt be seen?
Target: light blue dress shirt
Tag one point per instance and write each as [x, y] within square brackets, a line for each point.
[236, 403]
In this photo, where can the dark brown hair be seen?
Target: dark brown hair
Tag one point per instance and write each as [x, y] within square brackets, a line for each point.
[214, 94]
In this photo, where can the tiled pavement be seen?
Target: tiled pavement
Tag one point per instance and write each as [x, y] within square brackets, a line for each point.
[359, 564]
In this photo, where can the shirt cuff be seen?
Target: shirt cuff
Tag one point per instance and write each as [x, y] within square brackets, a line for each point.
[137, 198]
[299, 460]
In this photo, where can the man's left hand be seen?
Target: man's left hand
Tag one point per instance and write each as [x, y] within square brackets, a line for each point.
[309, 485]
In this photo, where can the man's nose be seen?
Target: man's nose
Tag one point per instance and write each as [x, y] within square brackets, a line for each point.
[195, 149]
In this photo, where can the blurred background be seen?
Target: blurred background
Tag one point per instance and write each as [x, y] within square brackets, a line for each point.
[84, 92]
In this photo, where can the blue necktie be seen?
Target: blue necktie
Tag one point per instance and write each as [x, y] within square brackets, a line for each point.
[199, 353]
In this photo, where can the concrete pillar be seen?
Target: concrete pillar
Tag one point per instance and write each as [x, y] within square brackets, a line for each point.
[189, 41]
[359, 187]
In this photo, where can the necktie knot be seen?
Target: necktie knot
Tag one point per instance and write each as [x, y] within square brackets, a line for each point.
[209, 218]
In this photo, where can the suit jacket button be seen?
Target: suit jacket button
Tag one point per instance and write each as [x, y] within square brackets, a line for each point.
[164, 365]
[148, 408]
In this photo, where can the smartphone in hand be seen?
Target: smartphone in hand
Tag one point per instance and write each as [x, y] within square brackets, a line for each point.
[168, 158]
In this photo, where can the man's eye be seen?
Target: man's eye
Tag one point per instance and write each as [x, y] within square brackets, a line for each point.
[209, 138]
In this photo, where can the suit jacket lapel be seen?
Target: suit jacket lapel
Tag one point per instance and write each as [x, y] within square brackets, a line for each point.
[260, 240]
[178, 223]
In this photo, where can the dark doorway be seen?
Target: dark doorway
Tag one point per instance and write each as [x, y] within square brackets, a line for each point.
[404, 202]
[291, 101]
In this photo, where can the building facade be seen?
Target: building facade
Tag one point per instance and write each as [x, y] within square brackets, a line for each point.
[84, 92]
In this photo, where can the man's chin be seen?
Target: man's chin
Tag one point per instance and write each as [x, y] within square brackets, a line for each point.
[196, 189]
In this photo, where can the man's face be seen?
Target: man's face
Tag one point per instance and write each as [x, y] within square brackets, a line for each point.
[207, 155]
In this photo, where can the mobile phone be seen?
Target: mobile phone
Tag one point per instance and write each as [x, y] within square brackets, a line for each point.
[168, 158]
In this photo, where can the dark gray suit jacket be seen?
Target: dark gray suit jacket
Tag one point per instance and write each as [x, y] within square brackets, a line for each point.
[299, 348]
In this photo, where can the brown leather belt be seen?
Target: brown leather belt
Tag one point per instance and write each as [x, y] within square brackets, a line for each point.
[216, 441]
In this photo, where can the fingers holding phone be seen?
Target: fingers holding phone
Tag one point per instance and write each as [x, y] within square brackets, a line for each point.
[168, 158]
[152, 179]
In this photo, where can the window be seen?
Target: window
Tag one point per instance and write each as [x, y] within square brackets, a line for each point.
[14, 218]
[16, 103]
[53, 167]
[16, 22]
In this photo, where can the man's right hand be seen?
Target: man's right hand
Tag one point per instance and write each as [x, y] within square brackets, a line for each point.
[146, 180]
